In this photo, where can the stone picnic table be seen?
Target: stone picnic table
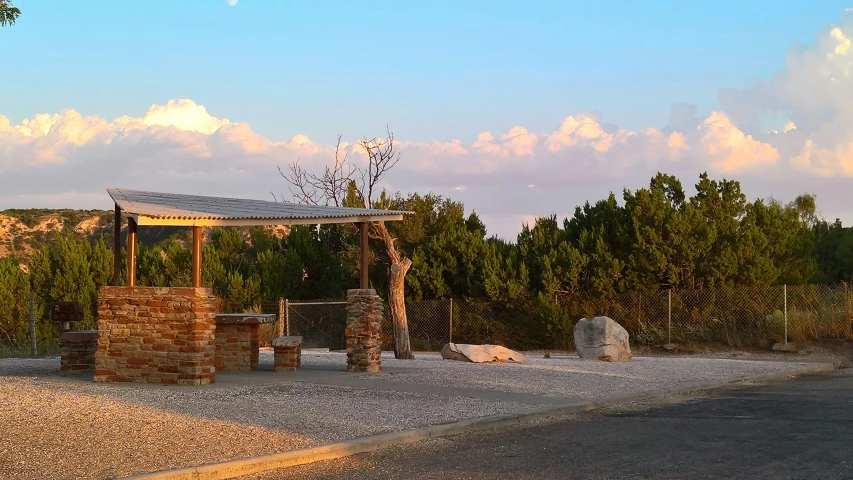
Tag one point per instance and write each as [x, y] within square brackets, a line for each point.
[237, 347]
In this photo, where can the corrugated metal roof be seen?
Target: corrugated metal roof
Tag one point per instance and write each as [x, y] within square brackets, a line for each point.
[183, 208]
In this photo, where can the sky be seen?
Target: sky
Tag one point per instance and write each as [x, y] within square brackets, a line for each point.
[516, 109]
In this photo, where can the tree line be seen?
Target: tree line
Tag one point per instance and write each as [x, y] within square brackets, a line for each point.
[655, 238]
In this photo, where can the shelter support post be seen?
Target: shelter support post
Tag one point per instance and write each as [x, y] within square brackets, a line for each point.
[117, 247]
[362, 228]
[131, 252]
[197, 233]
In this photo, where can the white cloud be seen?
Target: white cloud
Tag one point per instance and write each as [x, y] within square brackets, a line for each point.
[815, 92]
[231, 3]
[729, 150]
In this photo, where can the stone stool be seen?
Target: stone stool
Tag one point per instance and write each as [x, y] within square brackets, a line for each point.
[78, 352]
[287, 352]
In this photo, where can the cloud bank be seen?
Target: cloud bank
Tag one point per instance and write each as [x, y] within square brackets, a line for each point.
[507, 176]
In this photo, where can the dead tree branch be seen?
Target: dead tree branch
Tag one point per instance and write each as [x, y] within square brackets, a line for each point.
[328, 188]
[381, 157]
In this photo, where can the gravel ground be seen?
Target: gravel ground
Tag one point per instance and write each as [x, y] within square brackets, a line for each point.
[59, 431]
[568, 377]
[52, 427]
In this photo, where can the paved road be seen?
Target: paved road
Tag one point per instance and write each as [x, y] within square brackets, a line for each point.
[801, 429]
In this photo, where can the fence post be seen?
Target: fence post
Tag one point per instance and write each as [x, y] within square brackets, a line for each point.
[287, 315]
[33, 350]
[785, 287]
[280, 327]
[451, 320]
[848, 315]
[669, 316]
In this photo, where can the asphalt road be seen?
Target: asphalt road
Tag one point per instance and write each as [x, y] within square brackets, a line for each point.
[799, 429]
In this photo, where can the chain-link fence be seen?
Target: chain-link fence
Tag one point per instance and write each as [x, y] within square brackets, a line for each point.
[26, 329]
[736, 316]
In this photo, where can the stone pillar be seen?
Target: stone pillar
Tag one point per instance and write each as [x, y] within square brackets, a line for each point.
[78, 352]
[364, 331]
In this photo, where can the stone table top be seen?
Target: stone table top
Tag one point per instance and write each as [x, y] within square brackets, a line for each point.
[79, 335]
[244, 318]
[292, 341]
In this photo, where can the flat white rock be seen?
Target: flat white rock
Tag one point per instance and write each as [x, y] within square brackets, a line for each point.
[480, 353]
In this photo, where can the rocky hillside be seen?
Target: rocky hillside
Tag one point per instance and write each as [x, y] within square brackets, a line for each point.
[21, 231]
[25, 230]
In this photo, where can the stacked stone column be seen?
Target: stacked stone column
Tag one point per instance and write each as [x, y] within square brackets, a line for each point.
[78, 352]
[364, 330]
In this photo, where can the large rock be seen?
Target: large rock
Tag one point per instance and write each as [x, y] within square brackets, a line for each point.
[601, 338]
[480, 353]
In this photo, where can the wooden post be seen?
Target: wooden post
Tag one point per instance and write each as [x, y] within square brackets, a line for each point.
[280, 326]
[785, 287]
[451, 320]
[363, 282]
[33, 350]
[131, 252]
[669, 315]
[117, 247]
[287, 316]
[197, 233]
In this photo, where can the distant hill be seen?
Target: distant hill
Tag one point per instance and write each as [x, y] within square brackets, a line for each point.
[25, 230]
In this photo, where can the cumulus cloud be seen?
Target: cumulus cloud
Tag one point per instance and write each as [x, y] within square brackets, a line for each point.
[179, 146]
[815, 92]
[730, 150]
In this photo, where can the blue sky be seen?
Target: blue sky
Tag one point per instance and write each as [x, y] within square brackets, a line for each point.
[434, 71]
[439, 69]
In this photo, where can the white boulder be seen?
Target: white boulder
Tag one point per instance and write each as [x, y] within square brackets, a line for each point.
[480, 353]
[601, 338]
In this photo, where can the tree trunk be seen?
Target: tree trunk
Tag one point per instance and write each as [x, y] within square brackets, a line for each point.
[397, 302]
[396, 291]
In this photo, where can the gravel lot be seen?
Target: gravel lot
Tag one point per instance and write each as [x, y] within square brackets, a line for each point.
[54, 427]
[569, 377]
[57, 431]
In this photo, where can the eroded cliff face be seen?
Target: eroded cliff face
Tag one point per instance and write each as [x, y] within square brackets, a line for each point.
[20, 234]
[22, 231]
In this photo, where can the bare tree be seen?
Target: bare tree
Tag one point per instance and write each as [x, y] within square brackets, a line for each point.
[331, 188]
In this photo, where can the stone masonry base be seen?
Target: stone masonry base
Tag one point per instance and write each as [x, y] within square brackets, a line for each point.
[78, 352]
[155, 335]
[237, 345]
[234, 349]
